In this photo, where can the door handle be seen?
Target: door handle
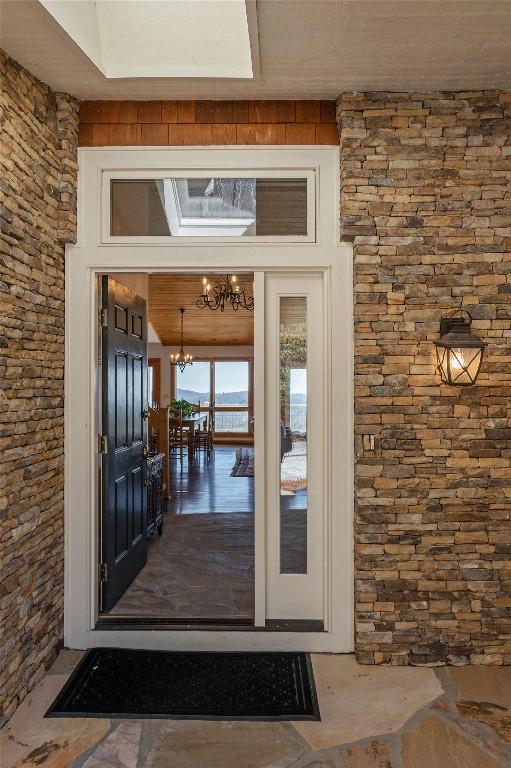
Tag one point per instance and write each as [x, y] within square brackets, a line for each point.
[145, 413]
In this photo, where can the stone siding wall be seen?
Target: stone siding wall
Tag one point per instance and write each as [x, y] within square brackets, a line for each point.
[38, 216]
[426, 200]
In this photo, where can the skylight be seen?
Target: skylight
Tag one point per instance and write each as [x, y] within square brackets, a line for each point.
[159, 38]
[205, 207]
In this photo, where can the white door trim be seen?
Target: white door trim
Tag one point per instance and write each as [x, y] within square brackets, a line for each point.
[259, 453]
[88, 258]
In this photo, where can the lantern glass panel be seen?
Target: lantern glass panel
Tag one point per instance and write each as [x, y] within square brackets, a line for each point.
[459, 365]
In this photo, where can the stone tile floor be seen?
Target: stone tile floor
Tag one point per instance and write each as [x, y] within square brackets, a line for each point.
[202, 567]
[372, 717]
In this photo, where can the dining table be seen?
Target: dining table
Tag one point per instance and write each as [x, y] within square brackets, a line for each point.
[190, 423]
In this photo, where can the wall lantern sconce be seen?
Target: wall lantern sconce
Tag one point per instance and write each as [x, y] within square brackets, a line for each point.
[459, 352]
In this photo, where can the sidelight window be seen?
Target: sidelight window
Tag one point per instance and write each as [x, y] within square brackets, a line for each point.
[293, 434]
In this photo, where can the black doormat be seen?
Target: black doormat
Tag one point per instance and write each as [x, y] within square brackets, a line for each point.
[120, 683]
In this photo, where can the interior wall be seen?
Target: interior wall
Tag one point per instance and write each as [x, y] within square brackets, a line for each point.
[426, 200]
[38, 216]
[139, 283]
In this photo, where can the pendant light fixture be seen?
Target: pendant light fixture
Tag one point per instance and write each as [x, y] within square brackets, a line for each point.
[459, 351]
[180, 359]
[228, 290]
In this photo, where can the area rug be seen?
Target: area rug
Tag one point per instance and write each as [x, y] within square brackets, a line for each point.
[122, 683]
[244, 463]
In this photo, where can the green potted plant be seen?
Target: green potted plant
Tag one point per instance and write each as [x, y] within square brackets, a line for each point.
[182, 406]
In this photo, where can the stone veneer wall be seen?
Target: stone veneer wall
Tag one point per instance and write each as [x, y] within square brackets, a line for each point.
[37, 216]
[426, 200]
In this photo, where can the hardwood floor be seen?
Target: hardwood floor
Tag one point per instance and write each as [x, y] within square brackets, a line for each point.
[206, 487]
[202, 567]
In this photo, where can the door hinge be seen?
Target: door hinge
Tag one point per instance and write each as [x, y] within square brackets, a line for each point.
[102, 444]
[103, 572]
[103, 317]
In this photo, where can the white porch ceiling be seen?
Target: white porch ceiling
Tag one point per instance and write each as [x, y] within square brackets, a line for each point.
[307, 49]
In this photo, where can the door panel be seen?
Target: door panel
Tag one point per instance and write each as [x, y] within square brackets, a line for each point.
[295, 388]
[120, 512]
[124, 388]
[137, 402]
[138, 491]
[121, 399]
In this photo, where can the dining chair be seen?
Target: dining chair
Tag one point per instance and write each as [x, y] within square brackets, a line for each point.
[203, 438]
[180, 437]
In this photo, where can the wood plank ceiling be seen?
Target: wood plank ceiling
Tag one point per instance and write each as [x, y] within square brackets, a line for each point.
[202, 327]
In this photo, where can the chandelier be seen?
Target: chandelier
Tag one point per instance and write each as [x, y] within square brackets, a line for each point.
[226, 291]
[180, 359]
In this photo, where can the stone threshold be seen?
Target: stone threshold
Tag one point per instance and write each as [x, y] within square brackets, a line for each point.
[235, 625]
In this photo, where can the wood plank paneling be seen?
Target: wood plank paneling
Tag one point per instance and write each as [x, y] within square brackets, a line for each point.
[169, 112]
[149, 112]
[261, 133]
[155, 134]
[128, 112]
[308, 112]
[185, 111]
[223, 134]
[167, 293]
[326, 133]
[189, 123]
[281, 207]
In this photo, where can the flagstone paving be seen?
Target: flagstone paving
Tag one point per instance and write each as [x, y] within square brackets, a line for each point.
[372, 717]
[358, 702]
[29, 739]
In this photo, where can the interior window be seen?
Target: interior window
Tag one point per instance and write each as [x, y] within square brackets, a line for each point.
[194, 383]
[231, 395]
[224, 385]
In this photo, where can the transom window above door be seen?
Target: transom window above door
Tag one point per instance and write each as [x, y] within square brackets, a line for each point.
[259, 206]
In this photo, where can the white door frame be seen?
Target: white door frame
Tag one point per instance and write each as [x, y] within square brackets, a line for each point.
[89, 257]
[297, 595]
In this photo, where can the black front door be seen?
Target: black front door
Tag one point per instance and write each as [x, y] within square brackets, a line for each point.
[124, 399]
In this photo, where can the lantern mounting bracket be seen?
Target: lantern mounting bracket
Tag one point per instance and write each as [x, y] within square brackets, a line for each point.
[450, 321]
